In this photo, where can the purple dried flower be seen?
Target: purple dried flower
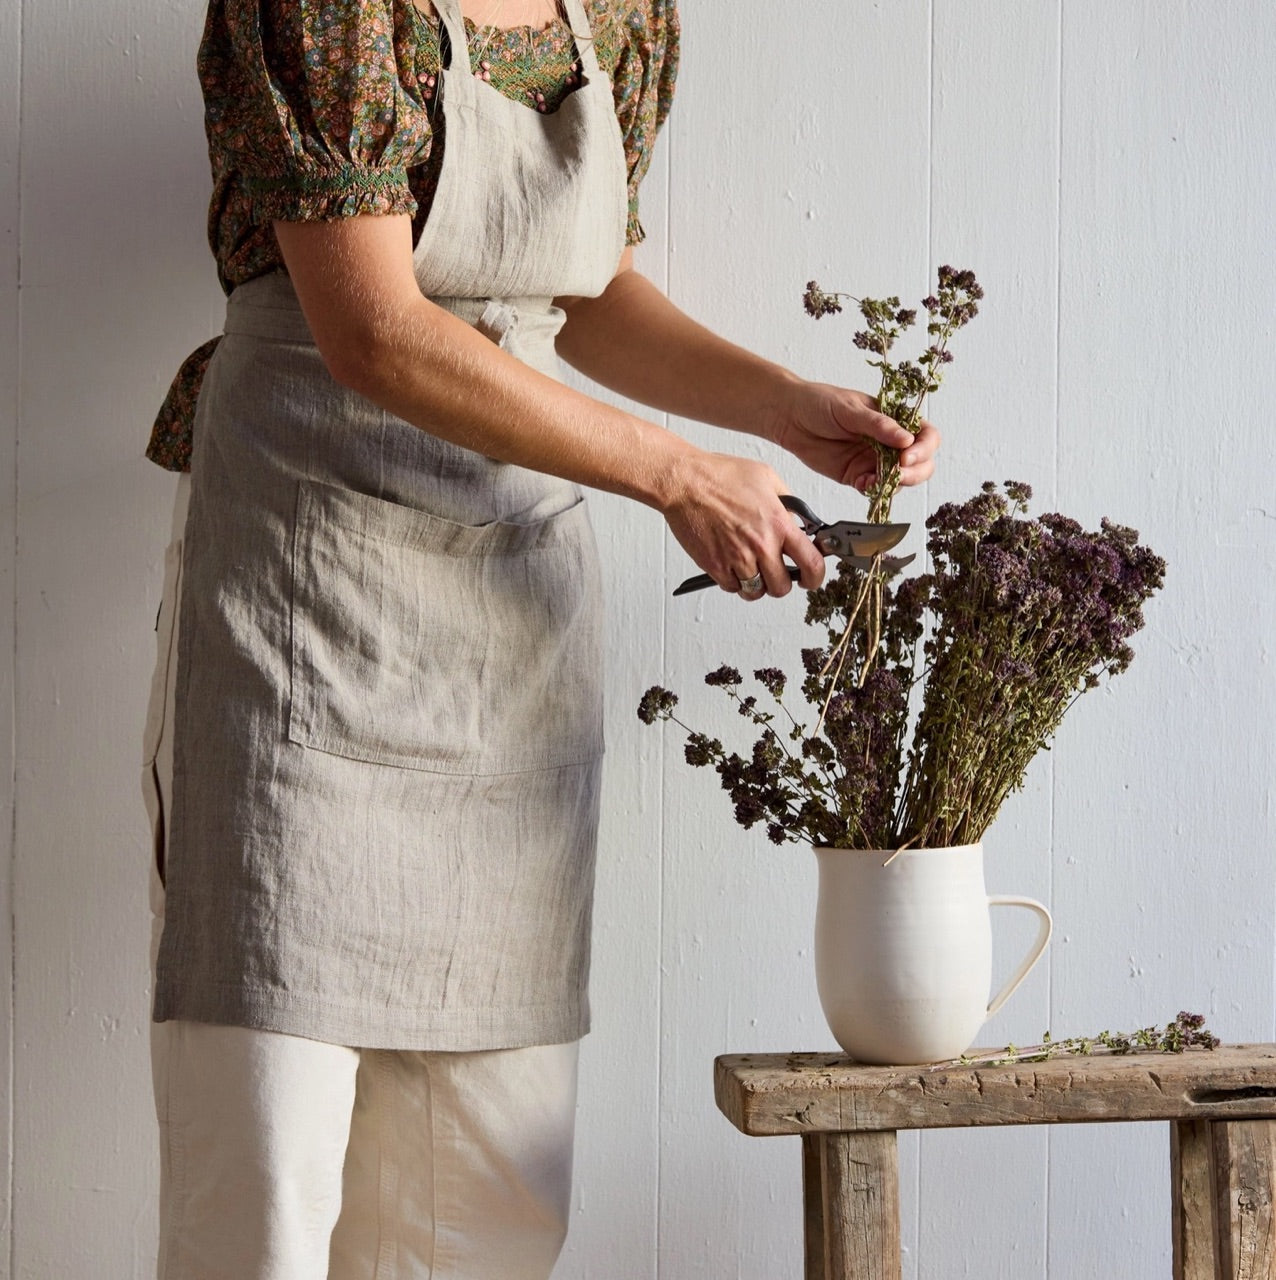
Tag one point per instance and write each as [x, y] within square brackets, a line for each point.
[818, 303]
[749, 810]
[656, 704]
[772, 679]
[723, 677]
[1011, 669]
[701, 749]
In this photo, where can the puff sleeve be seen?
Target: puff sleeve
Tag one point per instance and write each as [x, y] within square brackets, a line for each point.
[643, 79]
[316, 104]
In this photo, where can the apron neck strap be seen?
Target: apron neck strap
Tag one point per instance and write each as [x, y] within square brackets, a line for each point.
[449, 12]
[574, 11]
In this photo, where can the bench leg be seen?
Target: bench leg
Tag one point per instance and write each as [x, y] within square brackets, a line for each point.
[1224, 1199]
[851, 1193]
[813, 1204]
[1191, 1154]
[1244, 1182]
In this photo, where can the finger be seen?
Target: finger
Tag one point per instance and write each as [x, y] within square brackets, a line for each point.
[753, 586]
[922, 471]
[917, 462]
[775, 579]
[808, 559]
[885, 431]
[925, 445]
[749, 586]
[770, 572]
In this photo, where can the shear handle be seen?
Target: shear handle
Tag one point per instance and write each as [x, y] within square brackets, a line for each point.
[702, 580]
[809, 520]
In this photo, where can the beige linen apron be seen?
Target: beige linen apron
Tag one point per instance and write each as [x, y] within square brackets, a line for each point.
[388, 701]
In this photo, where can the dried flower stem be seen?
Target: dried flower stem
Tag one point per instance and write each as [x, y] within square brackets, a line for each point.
[843, 646]
[901, 396]
[1187, 1031]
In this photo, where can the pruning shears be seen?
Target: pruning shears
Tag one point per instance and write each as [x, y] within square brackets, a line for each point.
[853, 540]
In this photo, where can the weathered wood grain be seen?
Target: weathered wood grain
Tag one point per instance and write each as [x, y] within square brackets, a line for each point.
[1244, 1176]
[1192, 1199]
[813, 1205]
[861, 1206]
[765, 1094]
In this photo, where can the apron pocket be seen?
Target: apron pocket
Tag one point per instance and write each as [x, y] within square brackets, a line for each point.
[425, 644]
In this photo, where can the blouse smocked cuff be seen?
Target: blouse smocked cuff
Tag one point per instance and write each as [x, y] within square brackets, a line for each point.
[328, 196]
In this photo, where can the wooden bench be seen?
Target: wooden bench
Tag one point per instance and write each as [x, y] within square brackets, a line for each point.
[1221, 1105]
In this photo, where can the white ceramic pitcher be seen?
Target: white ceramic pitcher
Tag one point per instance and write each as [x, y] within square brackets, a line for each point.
[903, 951]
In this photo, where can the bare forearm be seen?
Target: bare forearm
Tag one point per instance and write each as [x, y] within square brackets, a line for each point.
[442, 375]
[381, 337]
[635, 341]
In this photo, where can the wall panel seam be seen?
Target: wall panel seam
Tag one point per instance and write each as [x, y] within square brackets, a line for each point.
[919, 1163]
[1054, 480]
[662, 761]
[10, 1171]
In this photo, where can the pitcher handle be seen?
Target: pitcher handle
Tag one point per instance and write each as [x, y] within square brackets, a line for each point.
[1034, 954]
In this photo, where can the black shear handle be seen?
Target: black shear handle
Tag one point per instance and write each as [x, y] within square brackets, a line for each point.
[810, 523]
[702, 580]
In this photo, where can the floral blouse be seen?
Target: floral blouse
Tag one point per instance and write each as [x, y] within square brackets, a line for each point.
[322, 109]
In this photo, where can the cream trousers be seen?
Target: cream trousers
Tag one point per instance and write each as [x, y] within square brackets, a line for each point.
[287, 1159]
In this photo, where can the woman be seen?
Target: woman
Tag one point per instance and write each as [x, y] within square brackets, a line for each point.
[375, 730]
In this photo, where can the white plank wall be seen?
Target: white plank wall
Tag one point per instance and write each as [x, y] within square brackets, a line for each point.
[10, 111]
[994, 184]
[833, 185]
[115, 290]
[1107, 170]
[1163, 797]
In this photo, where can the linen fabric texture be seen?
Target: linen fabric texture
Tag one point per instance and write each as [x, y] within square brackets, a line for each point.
[387, 723]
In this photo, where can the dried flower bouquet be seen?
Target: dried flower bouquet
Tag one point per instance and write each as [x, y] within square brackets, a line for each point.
[1016, 617]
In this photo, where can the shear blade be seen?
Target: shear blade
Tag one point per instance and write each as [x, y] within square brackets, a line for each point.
[889, 564]
[856, 538]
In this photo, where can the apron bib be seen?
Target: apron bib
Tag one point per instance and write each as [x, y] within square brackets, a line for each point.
[388, 727]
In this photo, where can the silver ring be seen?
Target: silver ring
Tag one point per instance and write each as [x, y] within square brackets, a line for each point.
[751, 586]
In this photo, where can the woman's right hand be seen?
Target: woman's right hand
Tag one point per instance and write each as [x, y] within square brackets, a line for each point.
[726, 514]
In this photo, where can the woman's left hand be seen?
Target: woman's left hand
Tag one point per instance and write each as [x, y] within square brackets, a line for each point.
[832, 430]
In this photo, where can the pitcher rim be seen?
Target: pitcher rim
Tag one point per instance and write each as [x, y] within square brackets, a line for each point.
[910, 853]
